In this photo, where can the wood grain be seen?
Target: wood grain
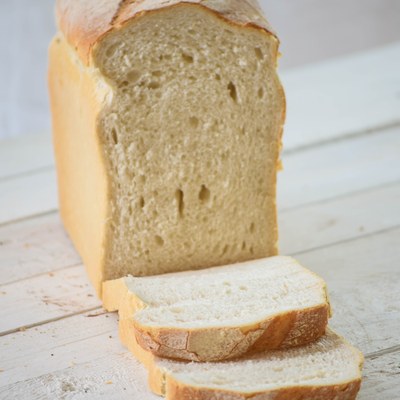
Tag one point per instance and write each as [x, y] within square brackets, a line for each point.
[320, 173]
[27, 195]
[45, 298]
[339, 219]
[342, 98]
[25, 154]
[33, 247]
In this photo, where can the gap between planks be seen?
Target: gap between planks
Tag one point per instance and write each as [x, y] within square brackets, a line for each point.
[48, 321]
[346, 136]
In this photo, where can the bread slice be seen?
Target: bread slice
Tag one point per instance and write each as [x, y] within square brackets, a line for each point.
[327, 369]
[223, 312]
[167, 123]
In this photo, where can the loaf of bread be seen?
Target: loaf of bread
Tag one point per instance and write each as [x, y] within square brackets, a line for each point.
[223, 312]
[327, 369]
[167, 122]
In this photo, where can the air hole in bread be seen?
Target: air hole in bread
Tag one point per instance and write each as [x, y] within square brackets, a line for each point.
[261, 93]
[259, 53]
[244, 246]
[218, 77]
[114, 136]
[243, 288]
[194, 121]
[252, 227]
[157, 73]
[233, 91]
[187, 58]
[112, 49]
[224, 155]
[251, 250]
[179, 197]
[204, 194]
[141, 202]
[159, 240]
[133, 76]
[123, 84]
[225, 249]
[154, 85]
[142, 179]
[164, 57]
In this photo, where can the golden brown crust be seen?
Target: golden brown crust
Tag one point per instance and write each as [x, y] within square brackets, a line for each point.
[346, 391]
[164, 384]
[84, 23]
[216, 344]
[76, 101]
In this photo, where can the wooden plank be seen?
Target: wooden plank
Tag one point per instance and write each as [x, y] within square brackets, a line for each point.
[25, 154]
[316, 225]
[60, 375]
[83, 357]
[45, 297]
[342, 97]
[27, 195]
[366, 306]
[344, 167]
[40, 245]
[34, 246]
[363, 281]
[381, 378]
[311, 175]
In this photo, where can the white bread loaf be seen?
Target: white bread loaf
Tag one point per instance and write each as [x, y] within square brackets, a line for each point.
[223, 312]
[327, 369]
[167, 122]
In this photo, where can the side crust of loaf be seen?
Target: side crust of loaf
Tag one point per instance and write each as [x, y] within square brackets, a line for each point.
[85, 23]
[76, 99]
[164, 384]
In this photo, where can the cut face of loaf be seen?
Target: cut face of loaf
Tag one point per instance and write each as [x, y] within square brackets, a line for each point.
[223, 312]
[167, 143]
[327, 369]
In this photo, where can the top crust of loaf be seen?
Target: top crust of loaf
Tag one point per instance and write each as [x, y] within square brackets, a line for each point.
[84, 23]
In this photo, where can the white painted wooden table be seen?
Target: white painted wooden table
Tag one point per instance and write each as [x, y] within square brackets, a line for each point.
[339, 200]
